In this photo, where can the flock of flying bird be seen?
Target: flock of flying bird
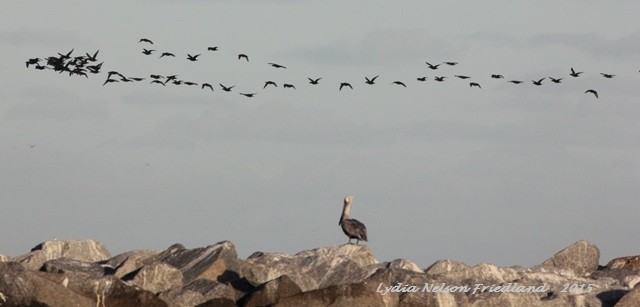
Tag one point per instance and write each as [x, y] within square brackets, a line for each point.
[84, 64]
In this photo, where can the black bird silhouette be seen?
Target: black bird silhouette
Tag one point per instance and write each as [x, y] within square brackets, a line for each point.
[92, 58]
[167, 54]
[226, 89]
[146, 40]
[451, 63]
[472, 84]
[94, 69]
[32, 61]
[574, 73]
[66, 56]
[496, 76]
[137, 79]
[189, 83]
[269, 83]
[192, 58]
[113, 72]
[207, 85]
[343, 84]
[422, 79]
[158, 82]
[147, 51]
[156, 77]
[592, 92]
[398, 83]
[109, 81]
[176, 82]
[608, 76]
[41, 67]
[439, 79]
[462, 76]
[515, 81]
[172, 77]
[434, 67]
[314, 81]
[371, 81]
[287, 85]
[242, 55]
[212, 48]
[248, 95]
[276, 65]
[539, 82]
[554, 80]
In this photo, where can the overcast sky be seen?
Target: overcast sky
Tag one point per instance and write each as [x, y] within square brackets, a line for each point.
[507, 174]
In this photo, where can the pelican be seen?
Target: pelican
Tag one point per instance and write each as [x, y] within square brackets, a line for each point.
[353, 228]
[592, 92]
[398, 83]
[314, 81]
[370, 81]
[269, 83]
[472, 84]
[574, 73]
[343, 84]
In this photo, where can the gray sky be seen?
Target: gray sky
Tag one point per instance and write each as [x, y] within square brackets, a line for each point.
[507, 174]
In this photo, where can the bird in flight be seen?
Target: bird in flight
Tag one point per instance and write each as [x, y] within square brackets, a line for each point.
[156, 77]
[109, 81]
[370, 81]
[147, 51]
[158, 82]
[287, 85]
[472, 84]
[276, 65]
[608, 76]
[248, 94]
[226, 89]
[434, 67]
[192, 58]
[554, 80]
[574, 73]
[207, 85]
[515, 81]
[92, 58]
[167, 54]
[269, 83]
[343, 84]
[451, 63]
[212, 48]
[496, 76]
[146, 40]
[439, 79]
[592, 92]
[243, 56]
[422, 79]
[398, 83]
[539, 82]
[314, 81]
[33, 61]
[462, 77]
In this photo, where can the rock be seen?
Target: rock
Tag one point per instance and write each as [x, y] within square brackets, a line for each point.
[111, 291]
[582, 257]
[631, 299]
[219, 302]
[354, 295]
[445, 267]
[83, 250]
[272, 291]
[312, 269]
[66, 266]
[51, 290]
[128, 262]
[16, 289]
[217, 262]
[401, 264]
[157, 277]
[198, 292]
[629, 262]
[4, 258]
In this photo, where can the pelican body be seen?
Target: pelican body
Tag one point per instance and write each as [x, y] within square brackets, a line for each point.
[353, 228]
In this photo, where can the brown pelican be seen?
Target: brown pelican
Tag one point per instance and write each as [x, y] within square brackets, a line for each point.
[539, 82]
[353, 228]
[554, 80]
[515, 81]
[167, 54]
[225, 88]
[269, 83]
[497, 76]
[158, 82]
[433, 66]
[145, 40]
[33, 61]
[343, 84]
[574, 73]
[314, 81]
[451, 63]
[286, 85]
[439, 79]
[370, 81]
[461, 77]
[276, 65]
[147, 51]
[248, 94]
[92, 58]
[207, 85]
[592, 92]
[472, 84]
[212, 48]
[422, 79]
[192, 58]
[398, 83]
[242, 55]
[608, 76]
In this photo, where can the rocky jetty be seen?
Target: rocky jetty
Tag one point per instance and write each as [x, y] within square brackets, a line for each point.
[83, 273]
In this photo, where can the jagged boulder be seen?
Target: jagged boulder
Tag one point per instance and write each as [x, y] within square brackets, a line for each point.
[272, 291]
[157, 277]
[582, 257]
[312, 269]
[198, 292]
[16, 288]
[630, 299]
[128, 262]
[83, 250]
[51, 289]
[71, 266]
[402, 264]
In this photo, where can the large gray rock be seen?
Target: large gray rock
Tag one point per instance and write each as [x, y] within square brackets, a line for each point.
[83, 250]
[52, 290]
[197, 292]
[271, 292]
[353, 295]
[630, 299]
[582, 257]
[312, 269]
[68, 266]
[158, 277]
[128, 262]
[16, 289]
